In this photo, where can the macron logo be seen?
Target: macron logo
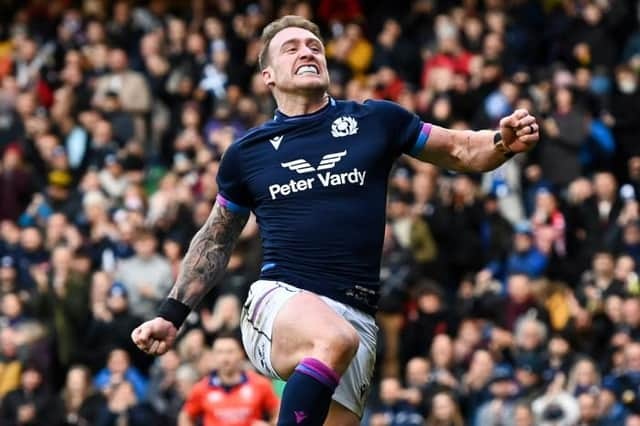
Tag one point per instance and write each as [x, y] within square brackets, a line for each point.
[275, 141]
[300, 416]
[301, 166]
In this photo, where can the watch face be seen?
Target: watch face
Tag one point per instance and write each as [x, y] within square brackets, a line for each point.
[628, 396]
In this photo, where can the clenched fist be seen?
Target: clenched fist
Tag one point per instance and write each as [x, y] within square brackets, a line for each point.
[520, 131]
[155, 336]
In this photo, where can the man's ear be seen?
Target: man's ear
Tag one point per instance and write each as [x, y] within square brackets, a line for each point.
[267, 77]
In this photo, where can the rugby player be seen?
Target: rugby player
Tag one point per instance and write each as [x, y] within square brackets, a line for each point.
[316, 179]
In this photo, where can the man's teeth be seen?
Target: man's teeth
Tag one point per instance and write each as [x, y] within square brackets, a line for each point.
[307, 69]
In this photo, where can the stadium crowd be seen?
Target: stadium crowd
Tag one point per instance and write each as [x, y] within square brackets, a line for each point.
[509, 298]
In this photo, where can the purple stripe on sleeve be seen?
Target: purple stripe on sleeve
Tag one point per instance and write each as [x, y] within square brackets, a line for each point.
[237, 208]
[422, 140]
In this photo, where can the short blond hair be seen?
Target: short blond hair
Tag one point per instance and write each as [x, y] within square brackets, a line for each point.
[275, 27]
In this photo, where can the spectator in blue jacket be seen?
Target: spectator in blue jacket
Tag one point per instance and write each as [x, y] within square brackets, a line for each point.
[119, 369]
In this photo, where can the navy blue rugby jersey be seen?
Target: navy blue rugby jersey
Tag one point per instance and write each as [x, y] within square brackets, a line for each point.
[317, 184]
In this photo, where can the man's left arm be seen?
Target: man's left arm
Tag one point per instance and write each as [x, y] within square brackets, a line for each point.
[483, 150]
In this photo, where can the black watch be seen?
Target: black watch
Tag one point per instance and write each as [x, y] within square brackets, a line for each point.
[499, 145]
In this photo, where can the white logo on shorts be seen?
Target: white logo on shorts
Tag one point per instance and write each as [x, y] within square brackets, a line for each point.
[261, 356]
[363, 390]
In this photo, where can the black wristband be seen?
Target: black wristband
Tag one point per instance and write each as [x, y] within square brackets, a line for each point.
[174, 311]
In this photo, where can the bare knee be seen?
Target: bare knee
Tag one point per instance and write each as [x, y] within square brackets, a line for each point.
[337, 348]
[307, 327]
[340, 416]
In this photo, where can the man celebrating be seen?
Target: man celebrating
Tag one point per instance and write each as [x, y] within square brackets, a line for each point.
[316, 178]
[230, 396]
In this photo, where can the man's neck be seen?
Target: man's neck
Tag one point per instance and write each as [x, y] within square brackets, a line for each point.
[301, 104]
[230, 379]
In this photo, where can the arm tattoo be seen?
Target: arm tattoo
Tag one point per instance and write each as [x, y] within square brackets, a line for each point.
[208, 255]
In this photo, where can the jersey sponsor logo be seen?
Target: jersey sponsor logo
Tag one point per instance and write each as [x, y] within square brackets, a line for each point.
[329, 161]
[214, 396]
[324, 179]
[301, 166]
[344, 126]
[275, 141]
[233, 414]
[246, 392]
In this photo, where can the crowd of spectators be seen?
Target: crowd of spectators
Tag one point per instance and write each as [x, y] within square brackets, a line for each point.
[509, 298]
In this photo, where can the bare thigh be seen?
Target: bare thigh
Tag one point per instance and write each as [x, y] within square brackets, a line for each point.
[307, 327]
[341, 416]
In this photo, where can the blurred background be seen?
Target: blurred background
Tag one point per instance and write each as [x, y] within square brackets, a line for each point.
[510, 297]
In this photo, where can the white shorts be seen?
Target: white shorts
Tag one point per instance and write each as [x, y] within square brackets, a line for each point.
[263, 303]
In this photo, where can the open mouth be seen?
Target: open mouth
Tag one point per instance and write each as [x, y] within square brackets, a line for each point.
[307, 69]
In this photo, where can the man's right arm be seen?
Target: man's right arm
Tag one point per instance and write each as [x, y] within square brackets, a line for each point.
[208, 255]
[202, 267]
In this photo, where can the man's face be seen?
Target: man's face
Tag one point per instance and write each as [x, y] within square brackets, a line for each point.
[389, 390]
[631, 312]
[117, 303]
[31, 379]
[588, 407]
[603, 263]
[527, 378]
[7, 274]
[118, 361]
[11, 306]
[417, 372]
[632, 357]
[429, 303]
[585, 374]
[228, 355]
[625, 265]
[502, 389]
[31, 239]
[522, 242]
[296, 62]
[482, 363]
[530, 337]
[518, 288]
[605, 186]
[145, 246]
[522, 416]
[117, 60]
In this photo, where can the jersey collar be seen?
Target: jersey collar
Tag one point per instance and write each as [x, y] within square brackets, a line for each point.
[215, 382]
[283, 118]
